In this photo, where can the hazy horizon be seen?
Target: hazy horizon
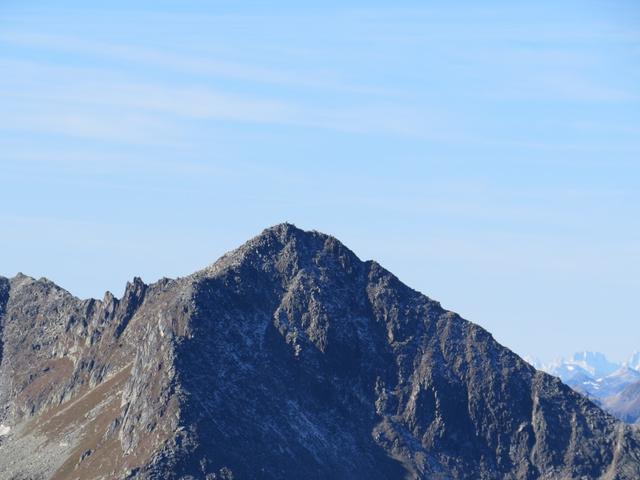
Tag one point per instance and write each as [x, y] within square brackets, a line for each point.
[488, 157]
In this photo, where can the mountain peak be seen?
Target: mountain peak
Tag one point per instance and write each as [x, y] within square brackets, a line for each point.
[634, 360]
[285, 248]
[287, 233]
[282, 230]
[291, 348]
[595, 364]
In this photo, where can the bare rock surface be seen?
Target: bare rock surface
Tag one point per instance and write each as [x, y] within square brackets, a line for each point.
[287, 358]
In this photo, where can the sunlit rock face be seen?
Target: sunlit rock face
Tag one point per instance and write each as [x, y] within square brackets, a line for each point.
[287, 358]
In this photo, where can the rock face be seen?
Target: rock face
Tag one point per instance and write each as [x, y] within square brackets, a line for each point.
[287, 358]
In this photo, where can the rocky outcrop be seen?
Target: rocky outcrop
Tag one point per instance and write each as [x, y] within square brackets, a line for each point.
[287, 358]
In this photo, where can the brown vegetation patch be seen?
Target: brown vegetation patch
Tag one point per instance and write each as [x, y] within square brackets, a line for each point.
[53, 372]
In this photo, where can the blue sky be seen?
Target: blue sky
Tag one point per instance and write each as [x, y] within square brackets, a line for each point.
[488, 155]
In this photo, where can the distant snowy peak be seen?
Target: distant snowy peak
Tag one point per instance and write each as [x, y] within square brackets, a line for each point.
[595, 363]
[634, 361]
[569, 373]
[614, 386]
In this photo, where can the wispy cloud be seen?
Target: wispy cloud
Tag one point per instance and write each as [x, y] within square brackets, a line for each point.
[115, 102]
[128, 128]
[199, 65]
[102, 105]
[86, 103]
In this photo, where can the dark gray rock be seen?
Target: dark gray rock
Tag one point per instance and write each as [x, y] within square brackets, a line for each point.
[287, 358]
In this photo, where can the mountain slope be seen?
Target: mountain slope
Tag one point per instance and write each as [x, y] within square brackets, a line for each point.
[287, 358]
[626, 404]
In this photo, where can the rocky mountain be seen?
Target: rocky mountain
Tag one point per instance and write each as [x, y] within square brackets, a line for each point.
[287, 358]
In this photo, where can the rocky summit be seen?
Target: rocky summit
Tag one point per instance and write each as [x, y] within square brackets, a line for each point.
[289, 358]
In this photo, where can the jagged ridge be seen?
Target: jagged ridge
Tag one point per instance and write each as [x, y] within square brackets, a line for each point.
[287, 358]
